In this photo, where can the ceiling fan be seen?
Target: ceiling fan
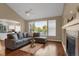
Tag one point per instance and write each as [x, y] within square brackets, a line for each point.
[28, 11]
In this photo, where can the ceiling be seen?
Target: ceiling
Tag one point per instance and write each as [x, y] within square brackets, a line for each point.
[39, 10]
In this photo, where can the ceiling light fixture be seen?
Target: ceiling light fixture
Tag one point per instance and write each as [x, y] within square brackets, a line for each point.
[28, 12]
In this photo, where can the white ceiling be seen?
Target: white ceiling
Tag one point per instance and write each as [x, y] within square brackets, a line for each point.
[39, 10]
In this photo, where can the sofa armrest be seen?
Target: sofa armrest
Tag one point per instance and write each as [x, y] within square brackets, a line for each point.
[10, 42]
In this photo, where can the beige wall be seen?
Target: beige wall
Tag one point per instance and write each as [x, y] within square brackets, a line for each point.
[58, 27]
[9, 14]
[70, 6]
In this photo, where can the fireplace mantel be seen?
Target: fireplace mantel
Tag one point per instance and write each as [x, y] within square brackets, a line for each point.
[73, 25]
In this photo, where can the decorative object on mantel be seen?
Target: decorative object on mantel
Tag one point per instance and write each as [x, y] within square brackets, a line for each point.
[68, 20]
[72, 17]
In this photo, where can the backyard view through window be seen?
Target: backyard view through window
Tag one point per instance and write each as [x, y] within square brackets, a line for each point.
[45, 28]
[39, 26]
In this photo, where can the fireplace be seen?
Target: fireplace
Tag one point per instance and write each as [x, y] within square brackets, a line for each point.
[70, 46]
[70, 43]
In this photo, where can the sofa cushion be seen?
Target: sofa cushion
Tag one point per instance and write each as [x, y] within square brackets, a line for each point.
[20, 35]
[15, 36]
[36, 34]
[41, 37]
[25, 34]
[26, 39]
[18, 41]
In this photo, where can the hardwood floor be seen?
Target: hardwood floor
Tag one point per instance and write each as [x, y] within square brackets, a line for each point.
[2, 48]
[18, 53]
[49, 49]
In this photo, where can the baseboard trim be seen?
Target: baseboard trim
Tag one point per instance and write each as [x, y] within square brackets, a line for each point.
[64, 49]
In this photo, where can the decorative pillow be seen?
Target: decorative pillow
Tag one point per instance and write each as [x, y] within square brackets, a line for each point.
[15, 36]
[20, 35]
[36, 34]
[25, 35]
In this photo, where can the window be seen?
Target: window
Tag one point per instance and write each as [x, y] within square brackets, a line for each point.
[43, 27]
[11, 27]
[38, 26]
[17, 28]
[51, 27]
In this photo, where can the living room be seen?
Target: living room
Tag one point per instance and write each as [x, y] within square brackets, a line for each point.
[37, 29]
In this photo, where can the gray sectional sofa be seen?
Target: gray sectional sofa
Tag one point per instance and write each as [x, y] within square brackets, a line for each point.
[16, 40]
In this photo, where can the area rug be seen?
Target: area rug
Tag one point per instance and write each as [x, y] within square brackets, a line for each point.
[31, 50]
